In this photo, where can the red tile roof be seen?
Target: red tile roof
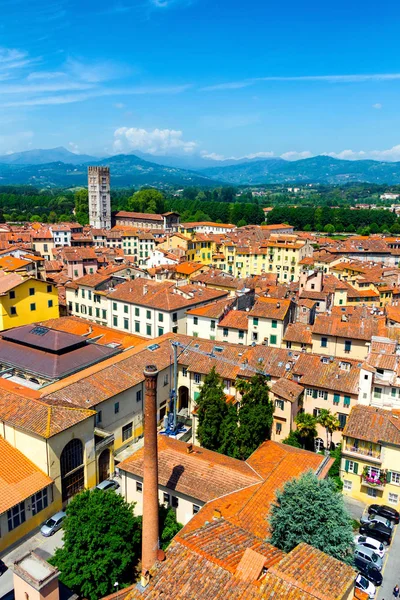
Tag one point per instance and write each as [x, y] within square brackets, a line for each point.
[19, 477]
[201, 474]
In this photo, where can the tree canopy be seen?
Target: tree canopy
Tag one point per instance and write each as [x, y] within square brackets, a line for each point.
[101, 543]
[310, 510]
[229, 430]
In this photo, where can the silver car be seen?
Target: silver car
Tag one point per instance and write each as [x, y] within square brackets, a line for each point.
[377, 519]
[108, 484]
[53, 524]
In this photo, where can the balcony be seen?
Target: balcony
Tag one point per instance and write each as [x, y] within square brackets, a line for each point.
[369, 455]
[375, 480]
[103, 439]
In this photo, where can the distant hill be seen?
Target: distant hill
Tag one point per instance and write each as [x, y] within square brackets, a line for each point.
[42, 157]
[126, 170]
[70, 170]
[319, 169]
[197, 162]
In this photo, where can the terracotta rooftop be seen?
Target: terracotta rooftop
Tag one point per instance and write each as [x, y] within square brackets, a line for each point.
[351, 328]
[19, 477]
[12, 263]
[225, 556]
[375, 425]
[299, 333]
[20, 409]
[140, 216]
[214, 310]
[91, 331]
[287, 389]
[201, 474]
[163, 296]
[235, 319]
[270, 308]
[9, 281]
[339, 375]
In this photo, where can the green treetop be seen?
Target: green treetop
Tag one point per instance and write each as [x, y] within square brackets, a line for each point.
[101, 544]
[310, 510]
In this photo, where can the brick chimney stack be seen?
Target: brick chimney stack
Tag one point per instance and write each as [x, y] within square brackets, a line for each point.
[150, 476]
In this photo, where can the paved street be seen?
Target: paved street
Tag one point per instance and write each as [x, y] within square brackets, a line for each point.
[45, 547]
[391, 569]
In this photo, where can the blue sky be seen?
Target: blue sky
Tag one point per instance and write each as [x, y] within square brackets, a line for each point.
[219, 78]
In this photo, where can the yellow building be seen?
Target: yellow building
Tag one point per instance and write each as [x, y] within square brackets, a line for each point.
[60, 443]
[370, 466]
[26, 498]
[26, 300]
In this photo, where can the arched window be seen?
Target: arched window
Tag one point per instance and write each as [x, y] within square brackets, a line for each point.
[72, 469]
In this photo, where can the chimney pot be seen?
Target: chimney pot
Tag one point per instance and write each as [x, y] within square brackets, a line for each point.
[189, 448]
[217, 514]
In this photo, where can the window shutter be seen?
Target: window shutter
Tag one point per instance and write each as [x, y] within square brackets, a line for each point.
[355, 468]
[388, 477]
[346, 466]
[315, 394]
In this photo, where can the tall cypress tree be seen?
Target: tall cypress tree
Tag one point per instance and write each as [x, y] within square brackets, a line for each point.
[255, 415]
[212, 409]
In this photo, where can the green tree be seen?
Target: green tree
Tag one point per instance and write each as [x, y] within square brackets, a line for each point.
[229, 432]
[82, 206]
[35, 218]
[101, 544]
[52, 218]
[212, 408]
[306, 429]
[329, 228]
[147, 200]
[310, 510]
[292, 439]
[330, 422]
[255, 414]
[168, 525]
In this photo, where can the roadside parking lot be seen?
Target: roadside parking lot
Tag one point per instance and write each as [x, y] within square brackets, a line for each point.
[391, 561]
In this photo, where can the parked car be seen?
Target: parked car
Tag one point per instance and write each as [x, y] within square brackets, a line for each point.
[378, 531]
[108, 484]
[3, 567]
[370, 572]
[363, 584]
[377, 519]
[368, 557]
[368, 542]
[53, 524]
[384, 511]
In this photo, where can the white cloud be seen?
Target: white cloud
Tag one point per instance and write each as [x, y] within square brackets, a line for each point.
[378, 106]
[15, 142]
[158, 141]
[293, 155]
[119, 105]
[45, 75]
[390, 155]
[212, 155]
[356, 78]
[220, 157]
[73, 147]
[260, 155]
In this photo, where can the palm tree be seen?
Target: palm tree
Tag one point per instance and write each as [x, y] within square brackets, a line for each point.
[330, 422]
[307, 427]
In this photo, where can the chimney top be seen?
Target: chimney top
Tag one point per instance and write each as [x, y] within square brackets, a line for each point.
[217, 514]
[150, 371]
[189, 448]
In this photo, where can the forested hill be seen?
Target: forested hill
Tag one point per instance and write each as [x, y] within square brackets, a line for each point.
[126, 170]
[129, 170]
[319, 169]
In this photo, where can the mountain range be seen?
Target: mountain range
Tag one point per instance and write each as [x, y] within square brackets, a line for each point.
[59, 167]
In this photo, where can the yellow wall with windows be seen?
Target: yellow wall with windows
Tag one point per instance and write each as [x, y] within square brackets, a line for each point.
[19, 298]
[390, 456]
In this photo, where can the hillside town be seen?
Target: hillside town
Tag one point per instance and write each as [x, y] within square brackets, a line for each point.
[108, 335]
